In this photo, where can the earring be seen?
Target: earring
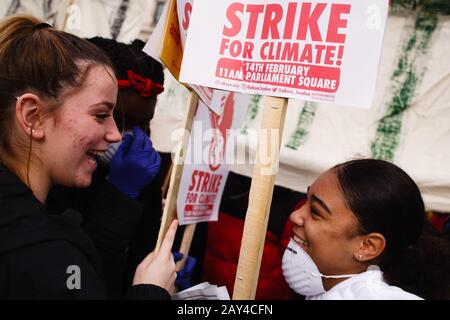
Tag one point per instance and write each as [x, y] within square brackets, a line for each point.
[360, 257]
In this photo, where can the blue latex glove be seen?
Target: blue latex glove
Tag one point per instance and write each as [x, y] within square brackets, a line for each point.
[135, 164]
[184, 276]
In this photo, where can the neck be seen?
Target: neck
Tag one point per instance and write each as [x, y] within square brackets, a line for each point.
[329, 283]
[36, 178]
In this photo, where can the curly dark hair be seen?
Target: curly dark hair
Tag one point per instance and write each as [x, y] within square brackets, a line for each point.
[130, 57]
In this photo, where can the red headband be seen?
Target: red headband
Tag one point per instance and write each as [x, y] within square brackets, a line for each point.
[144, 86]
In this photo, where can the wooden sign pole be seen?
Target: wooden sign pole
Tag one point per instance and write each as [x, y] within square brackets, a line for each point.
[171, 200]
[189, 230]
[66, 16]
[185, 246]
[260, 199]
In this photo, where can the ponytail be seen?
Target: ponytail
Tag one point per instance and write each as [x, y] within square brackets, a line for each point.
[422, 269]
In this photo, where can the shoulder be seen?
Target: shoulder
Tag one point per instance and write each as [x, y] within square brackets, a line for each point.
[377, 289]
[147, 292]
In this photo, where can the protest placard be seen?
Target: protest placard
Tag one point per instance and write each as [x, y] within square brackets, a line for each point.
[172, 52]
[164, 45]
[205, 171]
[184, 10]
[317, 50]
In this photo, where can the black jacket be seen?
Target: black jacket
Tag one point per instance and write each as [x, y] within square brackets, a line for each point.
[38, 250]
[124, 230]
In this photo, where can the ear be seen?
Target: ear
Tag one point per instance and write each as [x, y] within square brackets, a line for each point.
[371, 247]
[29, 115]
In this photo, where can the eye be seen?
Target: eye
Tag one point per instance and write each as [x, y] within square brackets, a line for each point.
[314, 213]
[102, 116]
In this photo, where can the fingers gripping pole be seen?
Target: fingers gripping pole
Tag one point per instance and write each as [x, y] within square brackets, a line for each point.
[260, 198]
[171, 200]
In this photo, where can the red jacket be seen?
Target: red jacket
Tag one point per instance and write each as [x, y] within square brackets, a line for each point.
[224, 241]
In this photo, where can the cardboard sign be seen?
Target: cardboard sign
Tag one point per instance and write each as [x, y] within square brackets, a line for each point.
[167, 42]
[154, 45]
[172, 52]
[205, 171]
[164, 45]
[317, 50]
[184, 9]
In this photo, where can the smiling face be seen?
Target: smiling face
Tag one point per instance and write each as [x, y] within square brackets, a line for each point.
[327, 230]
[83, 127]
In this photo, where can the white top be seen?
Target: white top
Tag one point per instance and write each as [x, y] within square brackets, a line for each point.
[368, 285]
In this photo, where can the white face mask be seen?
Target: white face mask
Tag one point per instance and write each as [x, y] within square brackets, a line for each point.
[301, 273]
[112, 149]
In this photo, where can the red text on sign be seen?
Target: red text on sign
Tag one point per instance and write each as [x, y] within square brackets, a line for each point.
[278, 24]
[205, 182]
[187, 15]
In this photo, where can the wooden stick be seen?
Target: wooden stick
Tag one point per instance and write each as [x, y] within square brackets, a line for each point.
[260, 199]
[171, 200]
[66, 15]
[165, 185]
[185, 246]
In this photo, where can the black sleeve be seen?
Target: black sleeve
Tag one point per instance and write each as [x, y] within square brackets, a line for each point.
[112, 218]
[109, 216]
[49, 270]
[147, 292]
[146, 235]
[111, 221]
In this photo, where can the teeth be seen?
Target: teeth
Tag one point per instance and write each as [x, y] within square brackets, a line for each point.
[97, 153]
[300, 240]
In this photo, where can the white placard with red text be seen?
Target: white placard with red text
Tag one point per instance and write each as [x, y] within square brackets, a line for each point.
[184, 8]
[317, 50]
[205, 172]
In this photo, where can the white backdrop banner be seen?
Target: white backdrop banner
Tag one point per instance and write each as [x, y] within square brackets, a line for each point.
[119, 19]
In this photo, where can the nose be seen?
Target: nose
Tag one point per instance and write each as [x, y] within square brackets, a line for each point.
[299, 216]
[112, 133]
